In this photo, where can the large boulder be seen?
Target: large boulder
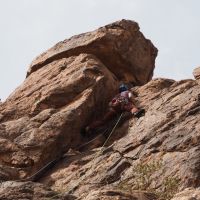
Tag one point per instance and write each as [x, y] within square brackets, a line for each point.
[45, 114]
[120, 46]
[188, 194]
[66, 87]
[70, 85]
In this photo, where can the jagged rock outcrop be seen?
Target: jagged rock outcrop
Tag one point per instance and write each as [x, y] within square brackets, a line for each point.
[66, 87]
[10, 190]
[188, 194]
[70, 85]
[168, 136]
[196, 73]
[45, 114]
[120, 46]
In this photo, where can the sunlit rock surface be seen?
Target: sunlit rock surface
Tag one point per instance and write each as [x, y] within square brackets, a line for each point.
[70, 85]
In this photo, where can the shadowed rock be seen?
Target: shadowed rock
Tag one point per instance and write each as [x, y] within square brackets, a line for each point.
[11, 190]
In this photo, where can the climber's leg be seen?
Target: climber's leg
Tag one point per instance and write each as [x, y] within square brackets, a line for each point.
[137, 112]
[107, 117]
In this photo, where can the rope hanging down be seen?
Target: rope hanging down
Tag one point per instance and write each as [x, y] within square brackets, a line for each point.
[113, 129]
[99, 152]
[39, 173]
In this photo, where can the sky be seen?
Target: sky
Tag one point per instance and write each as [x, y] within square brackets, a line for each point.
[30, 27]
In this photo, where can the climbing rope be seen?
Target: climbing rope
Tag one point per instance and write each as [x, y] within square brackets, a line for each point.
[37, 174]
[113, 129]
[104, 144]
[86, 143]
[98, 152]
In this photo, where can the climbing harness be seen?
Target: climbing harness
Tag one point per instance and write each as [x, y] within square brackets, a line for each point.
[119, 99]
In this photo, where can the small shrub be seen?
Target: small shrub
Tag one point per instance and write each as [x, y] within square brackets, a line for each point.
[142, 178]
[169, 187]
[143, 172]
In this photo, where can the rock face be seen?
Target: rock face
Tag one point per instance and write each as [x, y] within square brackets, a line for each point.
[45, 114]
[10, 190]
[188, 194]
[70, 85]
[66, 87]
[196, 73]
[120, 46]
[159, 150]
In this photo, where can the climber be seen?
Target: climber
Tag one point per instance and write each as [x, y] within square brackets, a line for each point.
[120, 103]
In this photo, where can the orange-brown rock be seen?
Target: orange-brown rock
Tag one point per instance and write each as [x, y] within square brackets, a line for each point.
[168, 136]
[196, 73]
[188, 194]
[11, 190]
[66, 87]
[45, 114]
[70, 85]
[120, 46]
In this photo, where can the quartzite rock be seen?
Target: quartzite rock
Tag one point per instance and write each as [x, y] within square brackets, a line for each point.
[196, 73]
[70, 85]
[188, 194]
[168, 136]
[11, 190]
[66, 87]
[45, 114]
[120, 46]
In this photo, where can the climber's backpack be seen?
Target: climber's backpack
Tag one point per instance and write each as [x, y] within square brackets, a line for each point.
[119, 101]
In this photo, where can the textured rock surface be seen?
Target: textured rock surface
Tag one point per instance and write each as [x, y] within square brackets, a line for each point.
[64, 90]
[11, 190]
[120, 46]
[168, 134]
[44, 115]
[70, 85]
[196, 73]
[114, 194]
[188, 194]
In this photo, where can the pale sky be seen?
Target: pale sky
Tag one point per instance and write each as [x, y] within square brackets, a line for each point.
[29, 27]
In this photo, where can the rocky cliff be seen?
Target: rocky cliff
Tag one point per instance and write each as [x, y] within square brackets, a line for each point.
[70, 85]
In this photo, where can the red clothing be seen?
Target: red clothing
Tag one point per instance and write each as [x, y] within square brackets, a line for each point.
[120, 103]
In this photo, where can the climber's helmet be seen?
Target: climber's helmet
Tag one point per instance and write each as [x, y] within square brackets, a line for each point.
[123, 88]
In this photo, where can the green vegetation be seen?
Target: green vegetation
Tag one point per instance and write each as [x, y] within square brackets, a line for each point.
[169, 187]
[142, 179]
